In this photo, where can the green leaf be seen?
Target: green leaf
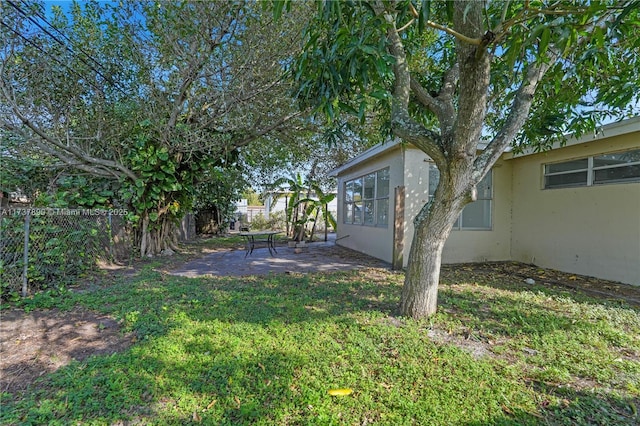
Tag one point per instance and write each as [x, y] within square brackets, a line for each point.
[348, 108]
[379, 94]
[425, 13]
[278, 6]
[168, 168]
[361, 110]
[370, 50]
[598, 36]
[544, 40]
[449, 9]
[330, 113]
[163, 154]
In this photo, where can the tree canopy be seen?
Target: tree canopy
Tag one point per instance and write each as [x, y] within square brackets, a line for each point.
[463, 81]
[150, 96]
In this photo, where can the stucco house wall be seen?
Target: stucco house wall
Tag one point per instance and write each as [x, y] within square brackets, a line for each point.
[409, 167]
[416, 182]
[588, 230]
[463, 245]
[376, 241]
[481, 245]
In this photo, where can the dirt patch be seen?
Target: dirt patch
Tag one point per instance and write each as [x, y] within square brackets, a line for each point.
[40, 342]
[467, 342]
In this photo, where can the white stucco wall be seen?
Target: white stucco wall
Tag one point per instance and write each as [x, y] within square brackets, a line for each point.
[280, 204]
[462, 245]
[416, 181]
[593, 230]
[274, 204]
[409, 167]
[373, 240]
[486, 245]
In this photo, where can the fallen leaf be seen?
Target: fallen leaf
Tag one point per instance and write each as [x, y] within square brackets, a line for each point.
[340, 392]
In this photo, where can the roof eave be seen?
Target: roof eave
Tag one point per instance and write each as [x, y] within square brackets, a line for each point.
[372, 152]
[606, 131]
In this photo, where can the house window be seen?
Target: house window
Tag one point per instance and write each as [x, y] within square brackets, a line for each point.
[607, 168]
[617, 167]
[475, 215]
[366, 199]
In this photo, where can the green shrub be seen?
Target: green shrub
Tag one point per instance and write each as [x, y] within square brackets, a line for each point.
[275, 222]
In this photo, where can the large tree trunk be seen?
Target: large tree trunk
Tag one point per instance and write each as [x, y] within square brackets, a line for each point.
[420, 291]
[153, 239]
[432, 228]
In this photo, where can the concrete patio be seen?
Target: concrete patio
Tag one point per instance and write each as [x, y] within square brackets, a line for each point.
[316, 257]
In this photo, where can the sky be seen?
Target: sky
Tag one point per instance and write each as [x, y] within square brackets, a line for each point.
[65, 5]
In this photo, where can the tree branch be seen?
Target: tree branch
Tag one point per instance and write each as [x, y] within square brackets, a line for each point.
[423, 96]
[475, 77]
[402, 124]
[450, 82]
[193, 69]
[225, 107]
[459, 36]
[518, 114]
[527, 13]
[442, 106]
[259, 133]
[522, 103]
[93, 170]
[63, 148]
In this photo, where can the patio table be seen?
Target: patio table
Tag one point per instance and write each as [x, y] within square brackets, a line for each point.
[254, 238]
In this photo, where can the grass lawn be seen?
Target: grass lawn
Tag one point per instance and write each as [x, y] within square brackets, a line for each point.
[266, 351]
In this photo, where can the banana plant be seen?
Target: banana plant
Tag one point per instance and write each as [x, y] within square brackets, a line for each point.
[302, 208]
[315, 206]
[291, 188]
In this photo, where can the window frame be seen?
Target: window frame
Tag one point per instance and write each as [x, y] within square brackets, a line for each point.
[479, 198]
[353, 216]
[591, 170]
[457, 226]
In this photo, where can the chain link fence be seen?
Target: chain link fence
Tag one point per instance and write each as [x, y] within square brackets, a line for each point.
[43, 248]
